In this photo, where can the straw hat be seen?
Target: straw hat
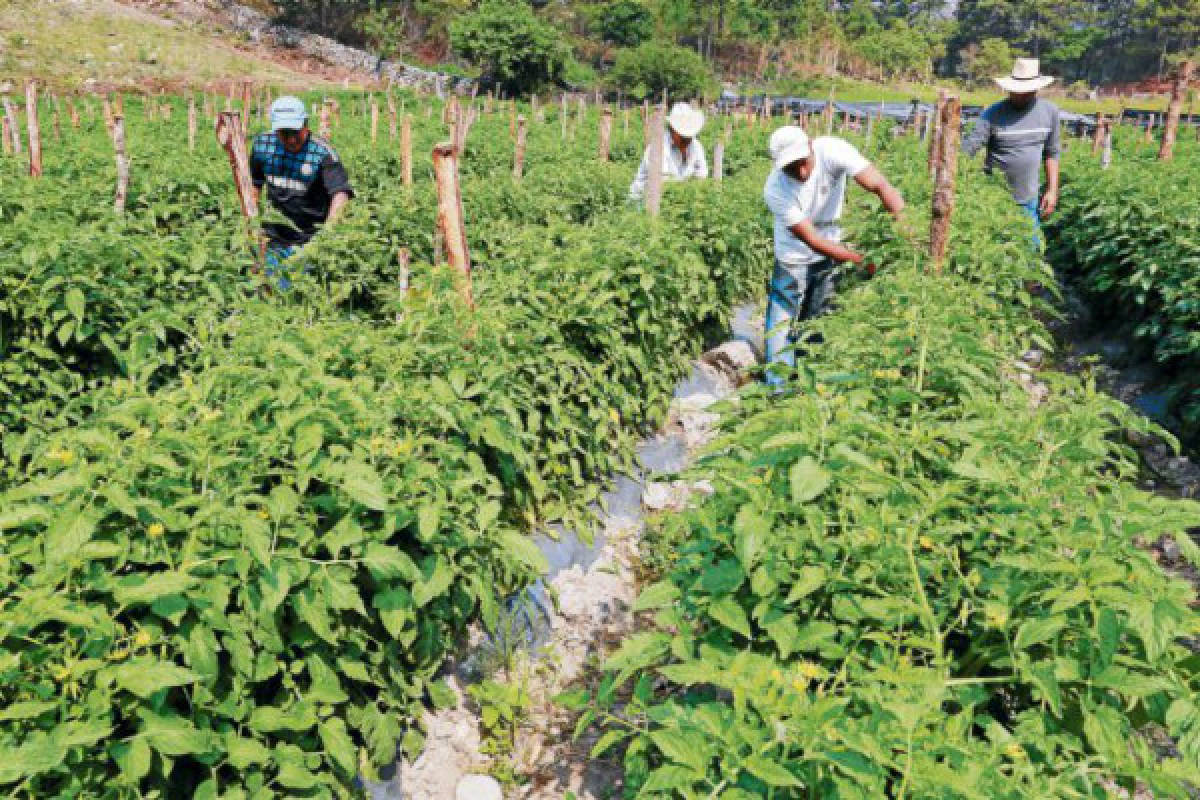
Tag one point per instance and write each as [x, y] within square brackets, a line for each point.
[1026, 77]
[788, 144]
[685, 120]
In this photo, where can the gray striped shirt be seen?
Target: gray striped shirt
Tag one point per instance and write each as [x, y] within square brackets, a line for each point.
[1017, 141]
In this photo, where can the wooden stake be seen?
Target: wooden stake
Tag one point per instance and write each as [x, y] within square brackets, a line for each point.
[245, 106]
[654, 182]
[944, 180]
[34, 129]
[374, 120]
[324, 128]
[519, 152]
[1106, 154]
[1098, 135]
[562, 118]
[14, 129]
[935, 139]
[606, 120]
[191, 123]
[719, 161]
[1149, 137]
[231, 137]
[6, 130]
[118, 137]
[450, 214]
[406, 168]
[73, 112]
[1167, 151]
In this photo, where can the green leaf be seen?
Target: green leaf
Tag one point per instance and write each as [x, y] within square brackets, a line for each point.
[133, 759]
[770, 772]
[314, 611]
[807, 581]
[142, 590]
[173, 735]
[38, 754]
[256, 535]
[657, 595]
[145, 676]
[682, 747]
[364, 485]
[435, 585]
[606, 742]
[244, 752]
[338, 746]
[1038, 630]
[26, 710]
[324, 685]
[428, 521]
[388, 563]
[639, 651]
[68, 534]
[522, 548]
[295, 776]
[727, 612]
[395, 609]
[808, 480]
[76, 303]
[751, 531]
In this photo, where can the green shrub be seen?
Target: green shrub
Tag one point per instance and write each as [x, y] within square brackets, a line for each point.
[511, 46]
[625, 23]
[646, 70]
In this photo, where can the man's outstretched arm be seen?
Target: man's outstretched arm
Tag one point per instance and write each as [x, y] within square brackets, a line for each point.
[807, 233]
[874, 182]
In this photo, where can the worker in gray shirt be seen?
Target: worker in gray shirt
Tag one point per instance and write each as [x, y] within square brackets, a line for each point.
[1021, 134]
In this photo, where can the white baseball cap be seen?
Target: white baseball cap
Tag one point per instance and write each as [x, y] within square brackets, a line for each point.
[788, 144]
[288, 113]
[685, 120]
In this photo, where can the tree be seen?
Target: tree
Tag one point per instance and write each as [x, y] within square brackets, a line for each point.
[511, 46]
[625, 23]
[384, 29]
[984, 61]
[646, 70]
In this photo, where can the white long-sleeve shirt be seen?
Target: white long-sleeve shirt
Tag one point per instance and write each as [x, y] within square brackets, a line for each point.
[676, 167]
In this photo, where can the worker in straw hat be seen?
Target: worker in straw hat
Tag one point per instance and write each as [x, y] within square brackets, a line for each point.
[1021, 134]
[805, 192]
[683, 155]
[306, 182]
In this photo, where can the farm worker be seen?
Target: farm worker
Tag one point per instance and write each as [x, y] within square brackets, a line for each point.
[305, 181]
[1021, 134]
[683, 155]
[805, 192]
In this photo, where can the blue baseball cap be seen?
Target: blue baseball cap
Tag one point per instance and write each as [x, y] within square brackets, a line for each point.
[288, 113]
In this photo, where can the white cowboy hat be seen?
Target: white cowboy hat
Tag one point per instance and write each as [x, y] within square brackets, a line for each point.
[1026, 77]
[685, 120]
[787, 145]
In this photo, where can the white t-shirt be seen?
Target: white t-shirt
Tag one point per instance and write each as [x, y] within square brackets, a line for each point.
[676, 167]
[818, 199]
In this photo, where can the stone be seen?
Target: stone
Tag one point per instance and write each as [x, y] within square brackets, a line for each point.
[734, 359]
[699, 427]
[478, 787]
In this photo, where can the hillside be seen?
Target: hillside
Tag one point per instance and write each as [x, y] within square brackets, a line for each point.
[103, 44]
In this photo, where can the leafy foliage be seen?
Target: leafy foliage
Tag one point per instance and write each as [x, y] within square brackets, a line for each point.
[647, 70]
[511, 45]
[909, 583]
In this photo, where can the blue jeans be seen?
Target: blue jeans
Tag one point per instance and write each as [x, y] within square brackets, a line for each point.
[1030, 207]
[797, 293]
[277, 256]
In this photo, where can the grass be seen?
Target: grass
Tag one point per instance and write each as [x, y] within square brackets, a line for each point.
[66, 45]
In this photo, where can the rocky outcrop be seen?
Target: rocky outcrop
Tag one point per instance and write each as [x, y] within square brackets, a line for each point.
[258, 27]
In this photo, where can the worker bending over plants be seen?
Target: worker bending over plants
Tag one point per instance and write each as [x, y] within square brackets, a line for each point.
[683, 155]
[806, 191]
[305, 181]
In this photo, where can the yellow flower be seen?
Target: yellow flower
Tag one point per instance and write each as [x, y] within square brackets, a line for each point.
[142, 433]
[800, 684]
[776, 675]
[1014, 750]
[119, 654]
[264, 514]
[614, 416]
[822, 390]
[378, 443]
[995, 615]
[156, 530]
[142, 639]
[926, 542]
[810, 670]
[210, 415]
[187, 380]
[62, 456]
[62, 673]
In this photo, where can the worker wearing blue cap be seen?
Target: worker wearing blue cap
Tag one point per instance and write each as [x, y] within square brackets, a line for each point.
[305, 181]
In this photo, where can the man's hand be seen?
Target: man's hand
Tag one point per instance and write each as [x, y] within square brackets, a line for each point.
[1049, 203]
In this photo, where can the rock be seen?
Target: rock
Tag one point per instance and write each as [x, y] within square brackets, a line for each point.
[699, 427]
[1034, 357]
[478, 787]
[734, 359]
[1170, 549]
[703, 487]
[695, 402]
